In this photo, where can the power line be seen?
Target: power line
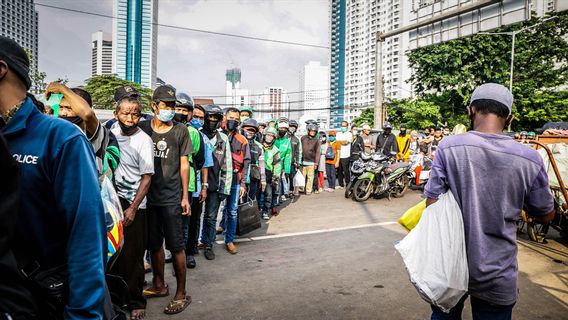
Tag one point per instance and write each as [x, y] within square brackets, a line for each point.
[189, 29]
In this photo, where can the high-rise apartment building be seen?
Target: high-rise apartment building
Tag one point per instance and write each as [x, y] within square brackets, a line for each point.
[19, 21]
[314, 93]
[135, 40]
[275, 103]
[235, 96]
[364, 19]
[101, 53]
[337, 61]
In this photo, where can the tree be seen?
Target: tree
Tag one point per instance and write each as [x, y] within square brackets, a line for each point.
[447, 73]
[416, 114]
[102, 90]
[366, 117]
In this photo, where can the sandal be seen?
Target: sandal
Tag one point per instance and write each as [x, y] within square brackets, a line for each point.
[153, 293]
[177, 306]
[137, 314]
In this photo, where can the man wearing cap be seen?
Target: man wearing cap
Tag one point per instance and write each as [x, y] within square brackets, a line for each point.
[132, 180]
[367, 139]
[477, 167]
[168, 200]
[62, 220]
[119, 94]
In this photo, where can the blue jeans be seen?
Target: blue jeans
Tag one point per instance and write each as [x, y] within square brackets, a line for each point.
[480, 309]
[209, 229]
[229, 221]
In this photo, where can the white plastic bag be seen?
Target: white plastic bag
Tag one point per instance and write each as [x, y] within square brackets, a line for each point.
[299, 180]
[435, 256]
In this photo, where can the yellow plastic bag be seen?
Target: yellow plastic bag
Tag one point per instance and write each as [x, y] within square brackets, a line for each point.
[410, 218]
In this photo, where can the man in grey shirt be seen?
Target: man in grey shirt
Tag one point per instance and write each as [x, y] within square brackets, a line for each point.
[492, 178]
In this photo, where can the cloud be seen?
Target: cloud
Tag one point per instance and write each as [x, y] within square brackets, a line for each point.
[196, 62]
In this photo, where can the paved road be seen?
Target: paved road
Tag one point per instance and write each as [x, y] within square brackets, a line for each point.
[326, 257]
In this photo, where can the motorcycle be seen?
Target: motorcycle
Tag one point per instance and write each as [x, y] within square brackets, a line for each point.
[357, 168]
[382, 177]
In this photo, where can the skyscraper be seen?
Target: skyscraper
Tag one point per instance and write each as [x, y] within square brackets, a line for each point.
[314, 93]
[363, 19]
[235, 96]
[135, 40]
[101, 53]
[337, 61]
[20, 22]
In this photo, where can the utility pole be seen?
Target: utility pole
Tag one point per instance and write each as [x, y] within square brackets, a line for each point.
[379, 93]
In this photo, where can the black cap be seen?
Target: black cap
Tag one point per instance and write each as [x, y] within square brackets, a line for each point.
[16, 58]
[164, 93]
[125, 92]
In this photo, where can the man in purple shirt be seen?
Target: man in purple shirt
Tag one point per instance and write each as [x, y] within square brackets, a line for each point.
[492, 178]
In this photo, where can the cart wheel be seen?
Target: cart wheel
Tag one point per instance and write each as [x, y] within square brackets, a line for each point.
[537, 231]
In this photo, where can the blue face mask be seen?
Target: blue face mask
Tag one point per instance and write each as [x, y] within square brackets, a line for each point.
[343, 129]
[331, 138]
[197, 124]
[166, 115]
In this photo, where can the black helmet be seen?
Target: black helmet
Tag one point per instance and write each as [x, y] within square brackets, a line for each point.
[312, 126]
[184, 100]
[387, 125]
[250, 123]
[213, 110]
[293, 123]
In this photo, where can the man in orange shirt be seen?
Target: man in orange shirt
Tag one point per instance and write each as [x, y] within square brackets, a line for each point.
[331, 160]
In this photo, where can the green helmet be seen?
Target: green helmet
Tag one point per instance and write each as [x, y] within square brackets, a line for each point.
[531, 134]
[271, 131]
[247, 109]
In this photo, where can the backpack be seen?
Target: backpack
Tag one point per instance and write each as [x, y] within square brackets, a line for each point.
[329, 154]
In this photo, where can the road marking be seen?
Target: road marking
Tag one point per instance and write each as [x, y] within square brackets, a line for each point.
[295, 234]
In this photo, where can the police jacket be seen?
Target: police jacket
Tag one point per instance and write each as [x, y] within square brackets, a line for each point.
[61, 214]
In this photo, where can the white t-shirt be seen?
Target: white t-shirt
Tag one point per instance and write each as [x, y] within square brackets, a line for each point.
[345, 151]
[136, 159]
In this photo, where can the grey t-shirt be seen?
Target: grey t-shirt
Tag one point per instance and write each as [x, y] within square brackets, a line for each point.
[492, 178]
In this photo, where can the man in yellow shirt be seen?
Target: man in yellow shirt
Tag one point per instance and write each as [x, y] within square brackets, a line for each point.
[403, 141]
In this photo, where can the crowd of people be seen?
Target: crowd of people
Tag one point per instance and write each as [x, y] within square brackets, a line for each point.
[188, 160]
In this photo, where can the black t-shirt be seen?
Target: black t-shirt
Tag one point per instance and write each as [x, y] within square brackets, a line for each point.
[165, 188]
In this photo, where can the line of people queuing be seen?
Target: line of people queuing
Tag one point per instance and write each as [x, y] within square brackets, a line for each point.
[168, 169]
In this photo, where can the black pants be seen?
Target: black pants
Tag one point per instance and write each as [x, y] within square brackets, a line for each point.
[193, 227]
[253, 189]
[343, 174]
[130, 262]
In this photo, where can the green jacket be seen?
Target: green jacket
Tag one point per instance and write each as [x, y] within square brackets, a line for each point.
[194, 136]
[272, 160]
[283, 144]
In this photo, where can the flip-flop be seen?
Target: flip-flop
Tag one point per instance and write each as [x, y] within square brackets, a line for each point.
[177, 306]
[152, 293]
[140, 314]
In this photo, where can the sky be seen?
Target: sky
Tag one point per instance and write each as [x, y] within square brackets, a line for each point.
[195, 62]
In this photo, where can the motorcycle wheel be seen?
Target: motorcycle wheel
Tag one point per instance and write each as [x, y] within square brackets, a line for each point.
[362, 190]
[402, 185]
[349, 190]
